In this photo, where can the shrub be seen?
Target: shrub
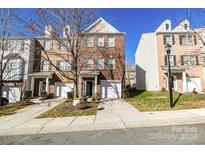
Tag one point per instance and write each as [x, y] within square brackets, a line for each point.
[70, 95]
[27, 94]
[163, 89]
[125, 93]
[44, 94]
[3, 101]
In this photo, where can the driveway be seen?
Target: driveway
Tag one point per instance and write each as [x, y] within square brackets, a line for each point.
[112, 114]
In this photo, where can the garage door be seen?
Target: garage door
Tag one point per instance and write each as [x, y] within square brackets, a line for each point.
[12, 93]
[194, 83]
[110, 89]
[61, 89]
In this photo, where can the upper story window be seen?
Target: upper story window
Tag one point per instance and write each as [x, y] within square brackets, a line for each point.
[90, 41]
[100, 63]
[167, 27]
[64, 65]
[90, 64]
[189, 60]
[100, 41]
[14, 69]
[111, 41]
[64, 45]
[111, 63]
[45, 65]
[20, 45]
[188, 39]
[172, 60]
[167, 39]
[48, 45]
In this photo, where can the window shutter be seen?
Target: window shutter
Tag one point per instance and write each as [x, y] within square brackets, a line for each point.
[173, 40]
[175, 60]
[164, 39]
[182, 62]
[197, 60]
[195, 40]
[180, 40]
[165, 60]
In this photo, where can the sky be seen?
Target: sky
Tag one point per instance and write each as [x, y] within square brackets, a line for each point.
[134, 22]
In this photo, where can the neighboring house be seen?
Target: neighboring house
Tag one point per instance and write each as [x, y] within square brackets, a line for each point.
[130, 75]
[18, 59]
[151, 59]
[103, 73]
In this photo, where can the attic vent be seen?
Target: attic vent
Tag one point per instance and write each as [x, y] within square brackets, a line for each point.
[185, 26]
[167, 27]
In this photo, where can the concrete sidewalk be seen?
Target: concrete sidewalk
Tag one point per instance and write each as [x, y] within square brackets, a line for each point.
[115, 114]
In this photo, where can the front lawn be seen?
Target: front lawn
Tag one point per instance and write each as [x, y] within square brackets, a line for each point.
[159, 101]
[66, 109]
[11, 108]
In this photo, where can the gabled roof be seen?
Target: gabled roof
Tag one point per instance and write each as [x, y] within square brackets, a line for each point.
[101, 26]
[180, 26]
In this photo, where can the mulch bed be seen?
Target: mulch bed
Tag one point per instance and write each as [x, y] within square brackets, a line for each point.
[67, 109]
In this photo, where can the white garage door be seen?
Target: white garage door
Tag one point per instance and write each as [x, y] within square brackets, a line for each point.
[194, 83]
[12, 93]
[61, 89]
[110, 89]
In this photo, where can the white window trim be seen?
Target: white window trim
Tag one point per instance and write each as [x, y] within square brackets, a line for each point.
[111, 44]
[90, 43]
[113, 63]
[103, 64]
[51, 45]
[100, 44]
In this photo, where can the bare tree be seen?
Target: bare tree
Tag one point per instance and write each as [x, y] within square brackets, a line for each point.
[73, 22]
[8, 46]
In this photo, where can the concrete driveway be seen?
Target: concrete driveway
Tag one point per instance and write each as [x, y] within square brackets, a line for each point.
[112, 114]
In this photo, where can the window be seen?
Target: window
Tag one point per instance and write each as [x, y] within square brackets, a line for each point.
[90, 64]
[64, 65]
[20, 45]
[167, 26]
[64, 45]
[172, 60]
[90, 41]
[100, 41]
[1, 45]
[167, 39]
[185, 26]
[100, 64]
[189, 60]
[45, 65]
[47, 45]
[111, 63]
[14, 70]
[111, 41]
[187, 40]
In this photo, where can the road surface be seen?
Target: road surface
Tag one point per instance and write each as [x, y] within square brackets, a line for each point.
[186, 134]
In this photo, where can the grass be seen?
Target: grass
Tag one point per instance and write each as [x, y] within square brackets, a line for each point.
[11, 108]
[66, 109]
[159, 101]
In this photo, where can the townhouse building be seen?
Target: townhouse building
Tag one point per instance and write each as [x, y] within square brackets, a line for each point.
[103, 53]
[186, 65]
[18, 55]
[130, 75]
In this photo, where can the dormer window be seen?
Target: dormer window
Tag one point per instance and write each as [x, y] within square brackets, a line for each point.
[167, 27]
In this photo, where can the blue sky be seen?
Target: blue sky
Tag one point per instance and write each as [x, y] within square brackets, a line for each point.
[134, 22]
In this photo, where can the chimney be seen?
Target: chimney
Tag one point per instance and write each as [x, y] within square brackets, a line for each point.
[48, 30]
[66, 30]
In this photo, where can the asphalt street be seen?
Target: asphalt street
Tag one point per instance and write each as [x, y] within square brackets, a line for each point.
[186, 134]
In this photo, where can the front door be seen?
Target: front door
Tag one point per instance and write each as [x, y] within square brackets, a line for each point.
[89, 88]
[42, 87]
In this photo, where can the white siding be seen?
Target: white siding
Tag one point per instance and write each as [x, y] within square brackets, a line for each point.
[146, 60]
